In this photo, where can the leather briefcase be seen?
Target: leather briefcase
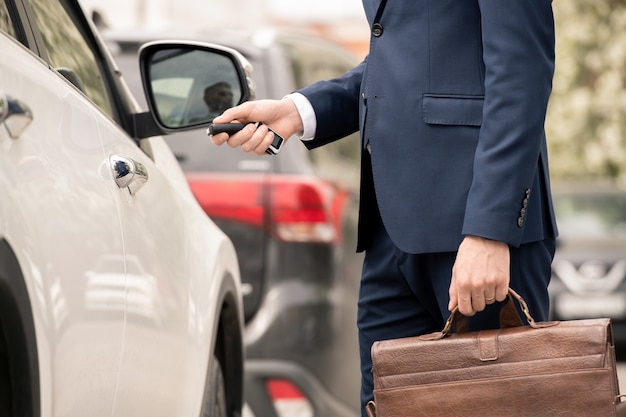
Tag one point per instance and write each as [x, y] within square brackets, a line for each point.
[564, 368]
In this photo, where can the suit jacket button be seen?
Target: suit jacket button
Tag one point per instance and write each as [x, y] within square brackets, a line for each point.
[520, 221]
[377, 29]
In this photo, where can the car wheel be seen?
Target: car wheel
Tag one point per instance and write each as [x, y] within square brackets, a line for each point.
[215, 392]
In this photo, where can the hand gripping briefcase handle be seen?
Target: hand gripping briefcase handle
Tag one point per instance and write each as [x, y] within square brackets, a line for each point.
[509, 317]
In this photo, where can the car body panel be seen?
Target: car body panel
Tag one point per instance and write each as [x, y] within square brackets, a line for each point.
[56, 146]
[170, 254]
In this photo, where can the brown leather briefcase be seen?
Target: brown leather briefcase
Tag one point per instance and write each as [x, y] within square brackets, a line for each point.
[564, 368]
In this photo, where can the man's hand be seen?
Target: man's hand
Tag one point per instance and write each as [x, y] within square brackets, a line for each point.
[480, 275]
[280, 115]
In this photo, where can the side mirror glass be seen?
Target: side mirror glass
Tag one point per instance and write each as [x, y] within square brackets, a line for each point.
[188, 84]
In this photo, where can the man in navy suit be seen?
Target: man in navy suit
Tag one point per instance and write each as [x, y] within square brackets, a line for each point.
[455, 195]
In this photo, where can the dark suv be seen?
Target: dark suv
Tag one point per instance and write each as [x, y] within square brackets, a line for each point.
[291, 219]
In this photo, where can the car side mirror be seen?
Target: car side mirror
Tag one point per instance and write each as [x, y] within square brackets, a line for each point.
[187, 83]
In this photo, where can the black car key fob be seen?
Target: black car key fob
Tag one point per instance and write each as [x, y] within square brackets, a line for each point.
[229, 128]
[232, 128]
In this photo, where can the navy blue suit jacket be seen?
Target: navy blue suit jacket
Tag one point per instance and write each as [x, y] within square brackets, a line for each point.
[452, 99]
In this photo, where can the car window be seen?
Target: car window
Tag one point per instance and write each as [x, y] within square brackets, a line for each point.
[311, 62]
[69, 52]
[6, 25]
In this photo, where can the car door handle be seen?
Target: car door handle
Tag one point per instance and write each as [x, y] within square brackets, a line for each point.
[128, 173]
[15, 115]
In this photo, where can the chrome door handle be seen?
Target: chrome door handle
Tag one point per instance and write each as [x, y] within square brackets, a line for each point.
[128, 173]
[15, 115]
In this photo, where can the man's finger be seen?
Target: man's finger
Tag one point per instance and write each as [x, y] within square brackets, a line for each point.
[232, 114]
[453, 303]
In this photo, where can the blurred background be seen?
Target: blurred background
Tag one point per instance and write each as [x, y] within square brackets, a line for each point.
[586, 128]
[340, 20]
[586, 122]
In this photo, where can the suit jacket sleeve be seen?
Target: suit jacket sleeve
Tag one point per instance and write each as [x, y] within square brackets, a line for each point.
[518, 53]
[336, 106]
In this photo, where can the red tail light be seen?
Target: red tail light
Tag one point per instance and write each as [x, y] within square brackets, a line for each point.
[229, 197]
[292, 208]
[287, 398]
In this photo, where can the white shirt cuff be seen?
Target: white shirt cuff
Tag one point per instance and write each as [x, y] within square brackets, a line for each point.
[307, 114]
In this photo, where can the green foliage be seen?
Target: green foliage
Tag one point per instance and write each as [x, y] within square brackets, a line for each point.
[586, 123]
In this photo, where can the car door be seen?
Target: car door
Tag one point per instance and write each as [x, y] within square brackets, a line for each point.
[61, 215]
[166, 344]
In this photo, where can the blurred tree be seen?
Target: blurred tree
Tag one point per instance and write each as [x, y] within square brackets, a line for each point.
[586, 123]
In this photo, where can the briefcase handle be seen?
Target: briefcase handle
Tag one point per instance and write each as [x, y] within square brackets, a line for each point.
[509, 317]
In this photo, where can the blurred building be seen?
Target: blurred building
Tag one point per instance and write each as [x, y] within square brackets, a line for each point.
[342, 21]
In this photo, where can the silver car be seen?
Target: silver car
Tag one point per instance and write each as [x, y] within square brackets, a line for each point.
[118, 295]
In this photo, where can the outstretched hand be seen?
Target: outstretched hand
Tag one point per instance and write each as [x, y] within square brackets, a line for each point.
[280, 115]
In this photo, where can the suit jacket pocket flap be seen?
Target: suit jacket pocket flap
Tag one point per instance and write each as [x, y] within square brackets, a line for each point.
[453, 110]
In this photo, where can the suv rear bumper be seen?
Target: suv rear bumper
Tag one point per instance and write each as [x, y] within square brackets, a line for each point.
[258, 371]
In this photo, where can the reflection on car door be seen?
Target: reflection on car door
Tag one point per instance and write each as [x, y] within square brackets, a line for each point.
[165, 344]
[53, 201]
